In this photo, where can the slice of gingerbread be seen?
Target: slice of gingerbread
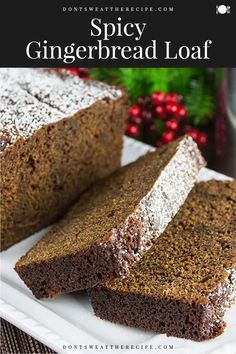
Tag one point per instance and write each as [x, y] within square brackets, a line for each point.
[184, 284]
[114, 223]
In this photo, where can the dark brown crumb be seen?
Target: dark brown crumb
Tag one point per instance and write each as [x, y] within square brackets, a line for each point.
[184, 283]
[112, 224]
[44, 172]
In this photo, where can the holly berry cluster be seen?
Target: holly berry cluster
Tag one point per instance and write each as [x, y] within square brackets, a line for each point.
[81, 72]
[160, 118]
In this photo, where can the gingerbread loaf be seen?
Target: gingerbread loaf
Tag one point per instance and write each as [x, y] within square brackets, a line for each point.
[184, 284]
[58, 134]
[113, 224]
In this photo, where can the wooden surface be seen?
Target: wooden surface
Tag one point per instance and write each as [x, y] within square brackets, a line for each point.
[14, 341]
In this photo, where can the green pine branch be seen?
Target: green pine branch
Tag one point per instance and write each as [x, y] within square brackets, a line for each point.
[197, 85]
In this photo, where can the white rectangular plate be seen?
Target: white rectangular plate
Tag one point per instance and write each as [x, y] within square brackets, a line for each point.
[68, 321]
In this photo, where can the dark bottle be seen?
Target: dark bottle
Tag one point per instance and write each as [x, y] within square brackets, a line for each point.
[225, 133]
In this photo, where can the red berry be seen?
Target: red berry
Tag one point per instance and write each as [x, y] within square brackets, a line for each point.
[147, 116]
[159, 143]
[140, 100]
[172, 108]
[73, 71]
[83, 72]
[172, 124]
[193, 133]
[157, 98]
[168, 136]
[133, 130]
[143, 100]
[134, 111]
[181, 112]
[173, 97]
[160, 112]
[201, 139]
[136, 120]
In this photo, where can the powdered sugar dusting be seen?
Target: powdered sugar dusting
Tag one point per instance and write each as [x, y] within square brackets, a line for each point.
[160, 205]
[163, 202]
[231, 285]
[21, 114]
[221, 298]
[32, 98]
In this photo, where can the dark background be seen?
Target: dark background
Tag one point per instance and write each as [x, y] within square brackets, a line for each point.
[191, 23]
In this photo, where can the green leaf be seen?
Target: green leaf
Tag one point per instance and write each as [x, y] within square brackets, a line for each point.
[160, 126]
